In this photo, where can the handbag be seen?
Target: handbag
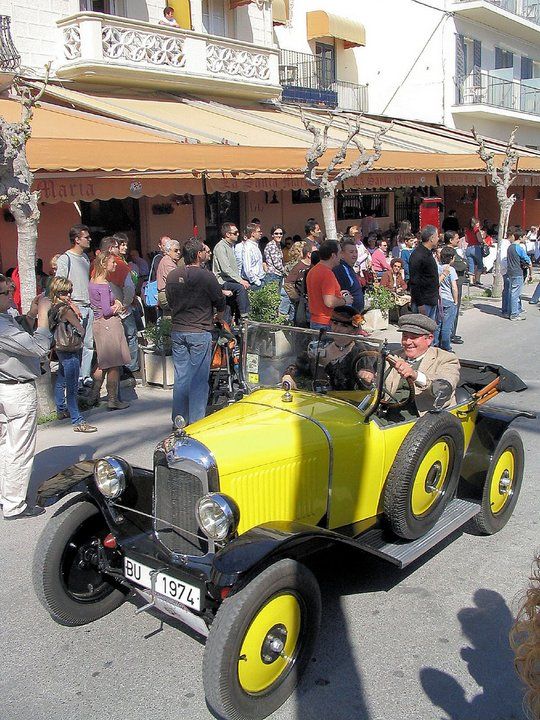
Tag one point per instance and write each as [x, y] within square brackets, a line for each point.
[149, 291]
[66, 337]
[485, 250]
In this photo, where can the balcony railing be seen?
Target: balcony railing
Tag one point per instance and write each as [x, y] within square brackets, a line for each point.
[485, 88]
[525, 9]
[108, 49]
[310, 80]
[9, 57]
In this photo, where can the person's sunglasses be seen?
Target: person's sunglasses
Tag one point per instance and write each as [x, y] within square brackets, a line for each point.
[278, 233]
[65, 292]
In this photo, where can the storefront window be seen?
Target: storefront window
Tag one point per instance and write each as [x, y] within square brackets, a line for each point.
[220, 208]
[354, 205]
[105, 217]
[299, 197]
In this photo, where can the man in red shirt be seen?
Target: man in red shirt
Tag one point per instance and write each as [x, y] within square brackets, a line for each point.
[324, 292]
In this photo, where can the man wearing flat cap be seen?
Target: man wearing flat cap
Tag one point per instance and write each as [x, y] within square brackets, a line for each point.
[434, 372]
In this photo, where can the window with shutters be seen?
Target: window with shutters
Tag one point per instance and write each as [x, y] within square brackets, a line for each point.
[109, 7]
[503, 59]
[527, 68]
[215, 18]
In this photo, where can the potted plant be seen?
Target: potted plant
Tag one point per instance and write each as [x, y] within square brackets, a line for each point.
[265, 308]
[379, 300]
[155, 357]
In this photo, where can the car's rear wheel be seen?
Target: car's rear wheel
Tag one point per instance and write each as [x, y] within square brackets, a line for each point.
[261, 641]
[66, 576]
[502, 484]
[424, 475]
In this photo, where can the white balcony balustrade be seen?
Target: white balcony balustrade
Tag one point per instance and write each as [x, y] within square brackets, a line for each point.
[99, 48]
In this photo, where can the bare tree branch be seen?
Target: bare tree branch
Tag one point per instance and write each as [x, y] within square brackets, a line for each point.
[501, 178]
[329, 178]
[16, 180]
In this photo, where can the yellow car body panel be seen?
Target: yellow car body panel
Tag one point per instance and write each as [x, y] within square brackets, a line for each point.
[304, 457]
[272, 462]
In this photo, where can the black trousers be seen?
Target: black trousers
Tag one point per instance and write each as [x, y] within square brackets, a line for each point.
[239, 297]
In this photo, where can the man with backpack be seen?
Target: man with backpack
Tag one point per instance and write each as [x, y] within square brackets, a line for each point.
[74, 265]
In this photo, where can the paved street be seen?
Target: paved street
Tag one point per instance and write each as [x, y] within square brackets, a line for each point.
[427, 643]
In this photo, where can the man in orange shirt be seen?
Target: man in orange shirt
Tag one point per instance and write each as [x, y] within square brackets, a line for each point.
[324, 292]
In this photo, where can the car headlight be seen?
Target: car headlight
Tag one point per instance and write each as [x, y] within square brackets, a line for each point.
[111, 475]
[218, 516]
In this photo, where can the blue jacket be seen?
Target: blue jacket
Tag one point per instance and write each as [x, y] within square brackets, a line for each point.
[348, 280]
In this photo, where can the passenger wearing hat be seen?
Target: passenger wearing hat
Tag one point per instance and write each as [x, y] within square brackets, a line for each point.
[435, 372]
[334, 359]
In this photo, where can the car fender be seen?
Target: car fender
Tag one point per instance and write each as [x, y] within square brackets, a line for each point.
[491, 423]
[258, 547]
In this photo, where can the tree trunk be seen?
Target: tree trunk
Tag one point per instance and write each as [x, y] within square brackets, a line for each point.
[26, 217]
[497, 289]
[45, 395]
[329, 212]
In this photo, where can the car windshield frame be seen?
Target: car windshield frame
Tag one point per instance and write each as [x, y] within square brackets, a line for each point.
[264, 363]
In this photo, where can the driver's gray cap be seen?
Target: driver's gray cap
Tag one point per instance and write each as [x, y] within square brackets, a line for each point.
[417, 324]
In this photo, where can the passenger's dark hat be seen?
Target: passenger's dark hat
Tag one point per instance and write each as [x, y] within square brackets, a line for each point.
[417, 324]
[347, 315]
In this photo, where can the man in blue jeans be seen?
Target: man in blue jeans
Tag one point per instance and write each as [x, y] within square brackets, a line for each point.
[449, 299]
[516, 260]
[196, 302]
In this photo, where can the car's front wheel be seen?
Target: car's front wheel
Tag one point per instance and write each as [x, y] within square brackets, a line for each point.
[66, 576]
[261, 641]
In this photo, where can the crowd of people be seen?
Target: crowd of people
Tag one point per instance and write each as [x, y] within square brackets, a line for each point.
[98, 300]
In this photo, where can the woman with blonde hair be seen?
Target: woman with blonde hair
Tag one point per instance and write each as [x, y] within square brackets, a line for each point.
[525, 639]
[111, 346]
[65, 324]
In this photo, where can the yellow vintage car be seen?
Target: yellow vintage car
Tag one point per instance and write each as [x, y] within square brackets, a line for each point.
[215, 532]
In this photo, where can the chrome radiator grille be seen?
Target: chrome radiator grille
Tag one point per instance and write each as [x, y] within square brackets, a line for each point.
[176, 495]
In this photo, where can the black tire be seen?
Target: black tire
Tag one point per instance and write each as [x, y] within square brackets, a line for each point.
[247, 618]
[410, 505]
[496, 511]
[72, 594]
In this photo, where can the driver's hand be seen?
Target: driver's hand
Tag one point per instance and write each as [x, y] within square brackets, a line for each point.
[402, 367]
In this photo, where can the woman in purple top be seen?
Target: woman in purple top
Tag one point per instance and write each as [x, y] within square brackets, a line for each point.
[111, 346]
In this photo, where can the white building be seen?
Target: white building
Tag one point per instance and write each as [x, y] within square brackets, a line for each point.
[453, 63]
[457, 63]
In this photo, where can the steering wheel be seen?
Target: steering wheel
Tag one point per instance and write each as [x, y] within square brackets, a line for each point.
[388, 400]
[391, 402]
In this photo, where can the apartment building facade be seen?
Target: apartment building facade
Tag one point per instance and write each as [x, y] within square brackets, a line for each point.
[435, 61]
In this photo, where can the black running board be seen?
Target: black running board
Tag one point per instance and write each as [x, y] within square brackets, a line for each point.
[382, 543]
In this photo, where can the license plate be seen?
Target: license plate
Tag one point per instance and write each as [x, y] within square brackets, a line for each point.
[164, 584]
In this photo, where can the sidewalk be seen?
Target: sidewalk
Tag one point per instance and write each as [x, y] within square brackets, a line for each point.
[131, 433]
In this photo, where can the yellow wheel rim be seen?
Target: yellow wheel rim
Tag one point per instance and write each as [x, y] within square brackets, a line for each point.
[502, 481]
[430, 478]
[269, 645]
